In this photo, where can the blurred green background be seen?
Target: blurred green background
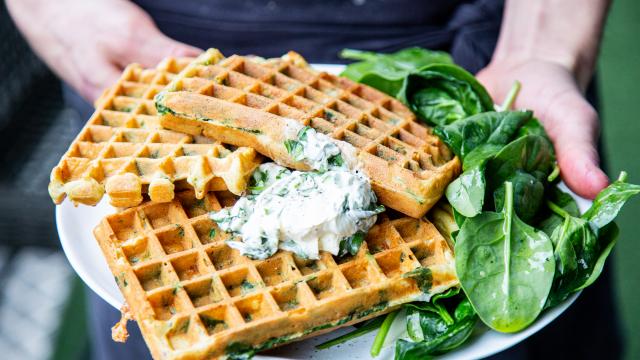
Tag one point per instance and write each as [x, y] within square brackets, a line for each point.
[619, 78]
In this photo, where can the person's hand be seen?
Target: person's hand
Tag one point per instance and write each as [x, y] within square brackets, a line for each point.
[88, 43]
[551, 91]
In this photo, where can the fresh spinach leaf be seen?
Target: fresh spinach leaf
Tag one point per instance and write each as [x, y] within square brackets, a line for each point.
[532, 153]
[437, 301]
[526, 161]
[480, 155]
[494, 128]
[505, 267]
[445, 295]
[466, 193]
[607, 237]
[386, 72]
[441, 94]
[430, 334]
[582, 244]
[580, 256]
[609, 201]
[532, 127]
[436, 305]
[528, 195]
[565, 202]
[576, 248]
[477, 139]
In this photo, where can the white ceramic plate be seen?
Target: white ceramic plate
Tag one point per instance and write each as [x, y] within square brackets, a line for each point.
[75, 226]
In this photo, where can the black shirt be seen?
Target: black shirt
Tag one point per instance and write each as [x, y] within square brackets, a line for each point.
[319, 29]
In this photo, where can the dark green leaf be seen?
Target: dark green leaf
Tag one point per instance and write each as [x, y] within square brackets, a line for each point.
[582, 244]
[432, 335]
[386, 72]
[532, 127]
[533, 154]
[441, 94]
[480, 155]
[436, 305]
[576, 251]
[495, 128]
[505, 267]
[528, 193]
[527, 161]
[563, 200]
[607, 238]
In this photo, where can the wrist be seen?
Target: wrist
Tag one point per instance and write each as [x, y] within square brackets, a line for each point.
[562, 32]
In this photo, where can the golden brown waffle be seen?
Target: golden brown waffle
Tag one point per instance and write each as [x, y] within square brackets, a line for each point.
[194, 297]
[122, 148]
[242, 102]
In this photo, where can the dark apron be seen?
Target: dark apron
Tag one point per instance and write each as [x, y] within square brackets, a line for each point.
[319, 30]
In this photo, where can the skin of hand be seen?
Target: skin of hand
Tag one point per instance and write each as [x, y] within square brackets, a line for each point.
[550, 46]
[88, 43]
[550, 90]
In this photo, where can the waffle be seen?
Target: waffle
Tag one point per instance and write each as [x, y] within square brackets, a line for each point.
[123, 149]
[243, 102]
[194, 297]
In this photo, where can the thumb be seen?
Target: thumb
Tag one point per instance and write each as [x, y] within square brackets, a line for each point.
[573, 127]
[155, 48]
[487, 79]
[149, 46]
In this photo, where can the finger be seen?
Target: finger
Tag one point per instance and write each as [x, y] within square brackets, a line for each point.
[95, 75]
[572, 124]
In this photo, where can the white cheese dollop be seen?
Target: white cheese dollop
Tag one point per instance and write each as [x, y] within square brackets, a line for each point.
[302, 212]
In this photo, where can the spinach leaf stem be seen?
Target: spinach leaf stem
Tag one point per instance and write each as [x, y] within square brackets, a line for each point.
[511, 96]
[508, 222]
[623, 176]
[382, 334]
[444, 314]
[365, 329]
[554, 174]
[557, 209]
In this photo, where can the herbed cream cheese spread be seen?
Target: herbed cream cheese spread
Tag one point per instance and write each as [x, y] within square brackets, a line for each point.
[329, 209]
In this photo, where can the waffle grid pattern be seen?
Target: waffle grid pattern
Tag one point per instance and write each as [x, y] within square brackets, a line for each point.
[124, 149]
[382, 128]
[192, 295]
